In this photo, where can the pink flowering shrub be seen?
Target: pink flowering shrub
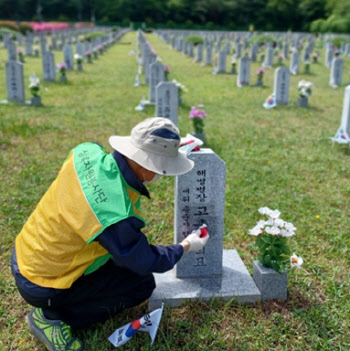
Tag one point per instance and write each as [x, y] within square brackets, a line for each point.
[197, 114]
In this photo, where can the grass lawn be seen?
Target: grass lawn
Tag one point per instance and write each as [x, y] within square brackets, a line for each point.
[280, 158]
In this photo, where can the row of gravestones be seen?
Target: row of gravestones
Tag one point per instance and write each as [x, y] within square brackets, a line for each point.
[14, 69]
[162, 93]
[332, 61]
[199, 199]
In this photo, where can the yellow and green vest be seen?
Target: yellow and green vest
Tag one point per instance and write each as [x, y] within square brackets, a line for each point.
[56, 245]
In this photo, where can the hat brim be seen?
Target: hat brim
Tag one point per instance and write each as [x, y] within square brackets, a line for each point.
[164, 165]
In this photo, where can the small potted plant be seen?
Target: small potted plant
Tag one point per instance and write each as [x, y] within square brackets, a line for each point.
[61, 68]
[307, 67]
[304, 90]
[197, 114]
[88, 55]
[20, 55]
[79, 60]
[270, 270]
[34, 87]
[166, 72]
[260, 74]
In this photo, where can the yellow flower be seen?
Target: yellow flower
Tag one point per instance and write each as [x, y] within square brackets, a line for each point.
[317, 216]
[5, 204]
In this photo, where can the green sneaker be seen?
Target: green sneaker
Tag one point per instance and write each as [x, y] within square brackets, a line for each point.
[56, 335]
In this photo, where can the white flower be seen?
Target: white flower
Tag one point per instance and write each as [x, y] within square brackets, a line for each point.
[256, 230]
[264, 210]
[270, 222]
[34, 81]
[290, 227]
[274, 214]
[296, 261]
[278, 222]
[286, 233]
[78, 57]
[272, 230]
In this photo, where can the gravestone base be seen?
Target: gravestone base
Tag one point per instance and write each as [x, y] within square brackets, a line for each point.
[235, 282]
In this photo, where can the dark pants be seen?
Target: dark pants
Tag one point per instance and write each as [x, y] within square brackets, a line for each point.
[92, 298]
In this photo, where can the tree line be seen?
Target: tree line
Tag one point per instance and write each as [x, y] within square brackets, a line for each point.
[268, 15]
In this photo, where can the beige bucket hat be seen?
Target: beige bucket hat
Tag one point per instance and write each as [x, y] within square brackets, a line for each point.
[154, 144]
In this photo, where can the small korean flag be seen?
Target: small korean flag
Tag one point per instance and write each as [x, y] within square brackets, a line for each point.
[270, 102]
[148, 323]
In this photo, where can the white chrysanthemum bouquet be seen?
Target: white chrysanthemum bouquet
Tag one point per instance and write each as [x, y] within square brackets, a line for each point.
[272, 234]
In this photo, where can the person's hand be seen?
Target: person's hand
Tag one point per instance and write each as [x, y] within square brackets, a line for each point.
[196, 240]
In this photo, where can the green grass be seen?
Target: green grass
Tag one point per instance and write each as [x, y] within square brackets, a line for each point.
[281, 158]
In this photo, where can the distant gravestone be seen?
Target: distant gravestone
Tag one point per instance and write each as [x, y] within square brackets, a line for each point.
[43, 43]
[68, 56]
[269, 57]
[244, 70]
[11, 49]
[281, 85]
[156, 77]
[254, 52]
[49, 69]
[80, 49]
[336, 71]
[228, 48]
[149, 60]
[209, 55]
[191, 50]
[285, 51]
[29, 46]
[200, 198]
[54, 43]
[167, 101]
[199, 54]
[238, 50]
[221, 62]
[347, 49]
[329, 55]
[15, 82]
[343, 134]
[294, 62]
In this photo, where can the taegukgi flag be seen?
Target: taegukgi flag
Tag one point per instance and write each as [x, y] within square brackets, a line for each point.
[147, 323]
[270, 102]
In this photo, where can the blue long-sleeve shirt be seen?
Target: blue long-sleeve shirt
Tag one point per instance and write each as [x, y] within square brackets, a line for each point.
[125, 241]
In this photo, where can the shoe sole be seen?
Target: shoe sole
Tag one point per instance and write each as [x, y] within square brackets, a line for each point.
[37, 332]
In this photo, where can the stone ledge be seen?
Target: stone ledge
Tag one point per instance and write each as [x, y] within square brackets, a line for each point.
[235, 282]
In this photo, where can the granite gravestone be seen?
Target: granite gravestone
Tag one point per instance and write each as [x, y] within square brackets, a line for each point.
[43, 43]
[329, 55]
[11, 50]
[68, 56]
[221, 62]
[80, 49]
[345, 117]
[238, 50]
[190, 50]
[347, 49]
[336, 72]
[285, 51]
[269, 57]
[199, 54]
[167, 101]
[156, 76]
[254, 52]
[244, 70]
[49, 68]
[209, 55]
[29, 46]
[15, 82]
[294, 62]
[281, 86]
[212, 271]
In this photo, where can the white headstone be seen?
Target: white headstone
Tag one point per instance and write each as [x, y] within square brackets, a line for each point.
[14, 82]
[336, 71]
[281, 85]
[68, 56]
[244, 70]
[156, 76]
[221, 62]
[49, 69]
[167, 101]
